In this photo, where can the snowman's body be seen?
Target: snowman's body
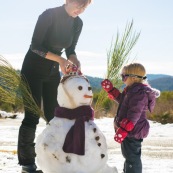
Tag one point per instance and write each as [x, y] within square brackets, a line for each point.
[51, 158]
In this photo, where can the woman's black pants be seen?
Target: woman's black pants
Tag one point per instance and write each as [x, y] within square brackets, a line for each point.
[43, 79]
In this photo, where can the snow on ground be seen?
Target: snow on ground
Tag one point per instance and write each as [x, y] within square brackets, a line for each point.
[157, 149]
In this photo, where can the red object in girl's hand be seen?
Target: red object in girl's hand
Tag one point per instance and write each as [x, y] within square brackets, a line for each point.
[120, 135]
[127, 124]
[111, 97]
[107, 85]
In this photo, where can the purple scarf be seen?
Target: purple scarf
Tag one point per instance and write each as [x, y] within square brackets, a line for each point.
[75, 138]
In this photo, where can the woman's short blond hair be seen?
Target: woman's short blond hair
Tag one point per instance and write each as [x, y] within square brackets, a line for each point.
[81, 2]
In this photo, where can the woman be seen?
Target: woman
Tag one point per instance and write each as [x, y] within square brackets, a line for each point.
[56, 29]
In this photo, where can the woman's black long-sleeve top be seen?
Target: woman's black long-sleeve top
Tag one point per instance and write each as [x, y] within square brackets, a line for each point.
[56, 30]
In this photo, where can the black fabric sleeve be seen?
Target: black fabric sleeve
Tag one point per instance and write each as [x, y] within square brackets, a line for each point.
[77, 31]
[41, 28]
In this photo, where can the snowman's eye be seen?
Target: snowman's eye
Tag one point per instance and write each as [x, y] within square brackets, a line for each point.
[80, 87]
[89, 88]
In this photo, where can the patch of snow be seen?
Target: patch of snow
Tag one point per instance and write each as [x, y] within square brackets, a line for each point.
[157, 148]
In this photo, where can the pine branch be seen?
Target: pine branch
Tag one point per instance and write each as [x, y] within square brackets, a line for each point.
[117, 56]
[15, 90]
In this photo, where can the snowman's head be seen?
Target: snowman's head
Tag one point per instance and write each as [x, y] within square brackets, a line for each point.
[74, 91]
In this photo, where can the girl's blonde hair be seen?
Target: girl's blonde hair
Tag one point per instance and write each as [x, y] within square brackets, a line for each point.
[136, 69]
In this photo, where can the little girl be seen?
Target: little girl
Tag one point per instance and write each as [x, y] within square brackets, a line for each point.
[131, 124]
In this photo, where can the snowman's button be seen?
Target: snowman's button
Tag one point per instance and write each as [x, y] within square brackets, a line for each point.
[68, 159]
[102, 156]
[94, 130]
[99, 144]
[97, 138]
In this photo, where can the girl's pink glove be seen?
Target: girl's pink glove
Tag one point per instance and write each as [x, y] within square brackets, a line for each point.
[125, 126]
[107, 85]
[120, 135]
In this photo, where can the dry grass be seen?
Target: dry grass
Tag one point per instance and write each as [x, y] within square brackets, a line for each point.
[9, 151]
[163, 112]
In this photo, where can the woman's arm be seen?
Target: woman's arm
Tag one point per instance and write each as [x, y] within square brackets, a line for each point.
[74, 60]
[43, 23]
[70, 51]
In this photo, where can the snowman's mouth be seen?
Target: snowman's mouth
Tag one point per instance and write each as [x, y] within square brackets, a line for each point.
[88, 96]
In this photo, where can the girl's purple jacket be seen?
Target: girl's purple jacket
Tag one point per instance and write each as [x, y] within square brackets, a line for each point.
[134, 102]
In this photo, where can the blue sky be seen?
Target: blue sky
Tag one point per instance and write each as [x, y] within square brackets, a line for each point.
[102, 20]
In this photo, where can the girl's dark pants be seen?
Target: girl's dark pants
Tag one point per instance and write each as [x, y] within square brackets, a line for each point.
[43, 78]
[131, 150]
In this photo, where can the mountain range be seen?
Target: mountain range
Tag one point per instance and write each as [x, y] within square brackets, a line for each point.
[161, 82]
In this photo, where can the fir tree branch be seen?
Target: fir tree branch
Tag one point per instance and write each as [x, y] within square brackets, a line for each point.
[117, 56]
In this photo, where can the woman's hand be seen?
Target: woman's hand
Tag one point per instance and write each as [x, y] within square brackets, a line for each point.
[75, 61]
[72, 59]
[63, 63]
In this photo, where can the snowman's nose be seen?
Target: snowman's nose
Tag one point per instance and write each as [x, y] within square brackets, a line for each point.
[87, 96]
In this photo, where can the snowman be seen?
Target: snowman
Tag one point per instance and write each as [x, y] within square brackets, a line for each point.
[72, 142]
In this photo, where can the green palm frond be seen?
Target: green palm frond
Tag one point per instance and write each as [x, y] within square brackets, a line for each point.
[117, 56]
[15, 90]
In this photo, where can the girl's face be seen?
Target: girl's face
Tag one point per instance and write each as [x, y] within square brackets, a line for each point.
[128, 80]
[74, 8]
